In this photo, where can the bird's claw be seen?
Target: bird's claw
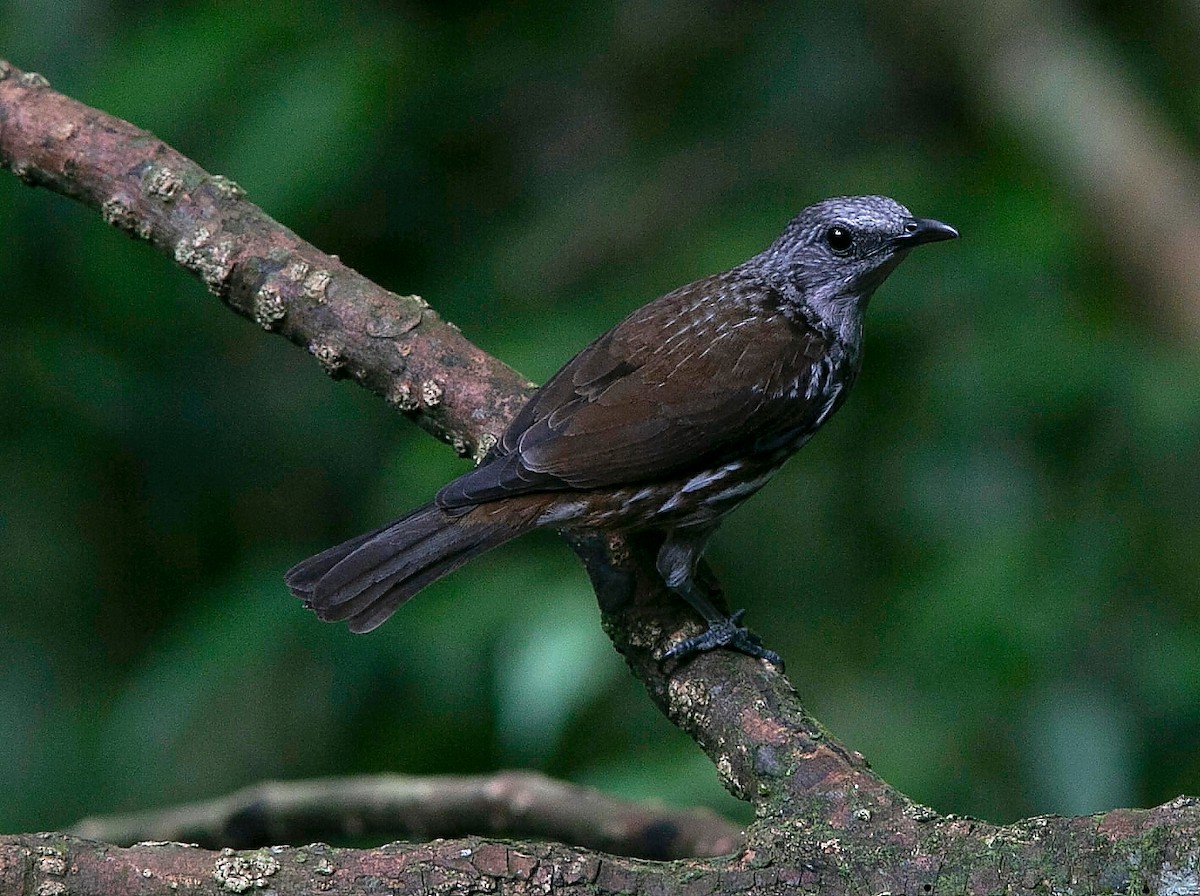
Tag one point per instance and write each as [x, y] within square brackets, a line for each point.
[726, 633]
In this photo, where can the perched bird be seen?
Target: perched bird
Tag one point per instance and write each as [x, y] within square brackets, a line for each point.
[666, 422]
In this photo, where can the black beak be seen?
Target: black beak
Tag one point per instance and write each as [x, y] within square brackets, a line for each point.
[918, 231]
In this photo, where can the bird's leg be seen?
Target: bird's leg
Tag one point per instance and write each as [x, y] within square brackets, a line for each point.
[722, 631]
[677, 565]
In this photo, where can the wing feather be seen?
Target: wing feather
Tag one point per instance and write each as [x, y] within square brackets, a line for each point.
[647, 399]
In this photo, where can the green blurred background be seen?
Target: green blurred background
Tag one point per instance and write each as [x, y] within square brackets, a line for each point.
[982, 573]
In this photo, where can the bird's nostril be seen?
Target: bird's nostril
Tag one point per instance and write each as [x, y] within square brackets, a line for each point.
[911, 227]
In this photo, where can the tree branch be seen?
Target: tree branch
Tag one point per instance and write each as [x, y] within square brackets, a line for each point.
[396, 346]
[509, 804]
[825, 820]
[1119, 852]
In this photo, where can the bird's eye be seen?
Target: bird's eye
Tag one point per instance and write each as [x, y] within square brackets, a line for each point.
[839, 238]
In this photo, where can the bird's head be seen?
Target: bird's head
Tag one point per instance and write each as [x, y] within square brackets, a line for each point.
[836, 253]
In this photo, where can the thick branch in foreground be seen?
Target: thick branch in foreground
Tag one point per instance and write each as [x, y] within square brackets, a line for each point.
[825, 821]
[1118, 852]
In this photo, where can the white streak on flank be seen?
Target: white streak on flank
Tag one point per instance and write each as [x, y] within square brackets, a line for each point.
[711, 477]
[820, 374]
[825, 411]
[559, 513]
[742, 488]
[671, 504]
[707, 478]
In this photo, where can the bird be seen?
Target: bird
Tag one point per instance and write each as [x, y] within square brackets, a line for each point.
[664, 424]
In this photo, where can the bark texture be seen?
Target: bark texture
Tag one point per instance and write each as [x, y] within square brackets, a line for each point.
[825, 822]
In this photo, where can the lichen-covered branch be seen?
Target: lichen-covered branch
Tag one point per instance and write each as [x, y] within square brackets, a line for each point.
[1124, 851]
[397, 346]
[53, 864]
[825, 821]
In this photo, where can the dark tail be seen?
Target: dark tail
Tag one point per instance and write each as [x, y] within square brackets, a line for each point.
[366, 579]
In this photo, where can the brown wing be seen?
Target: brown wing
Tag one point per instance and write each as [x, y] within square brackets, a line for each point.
[669, 388]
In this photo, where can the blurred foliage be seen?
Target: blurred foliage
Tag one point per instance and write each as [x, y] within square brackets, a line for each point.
[982, 573]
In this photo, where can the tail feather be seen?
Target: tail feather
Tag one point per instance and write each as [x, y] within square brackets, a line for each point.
[303, 577]
[370, 599]
[365, 580]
